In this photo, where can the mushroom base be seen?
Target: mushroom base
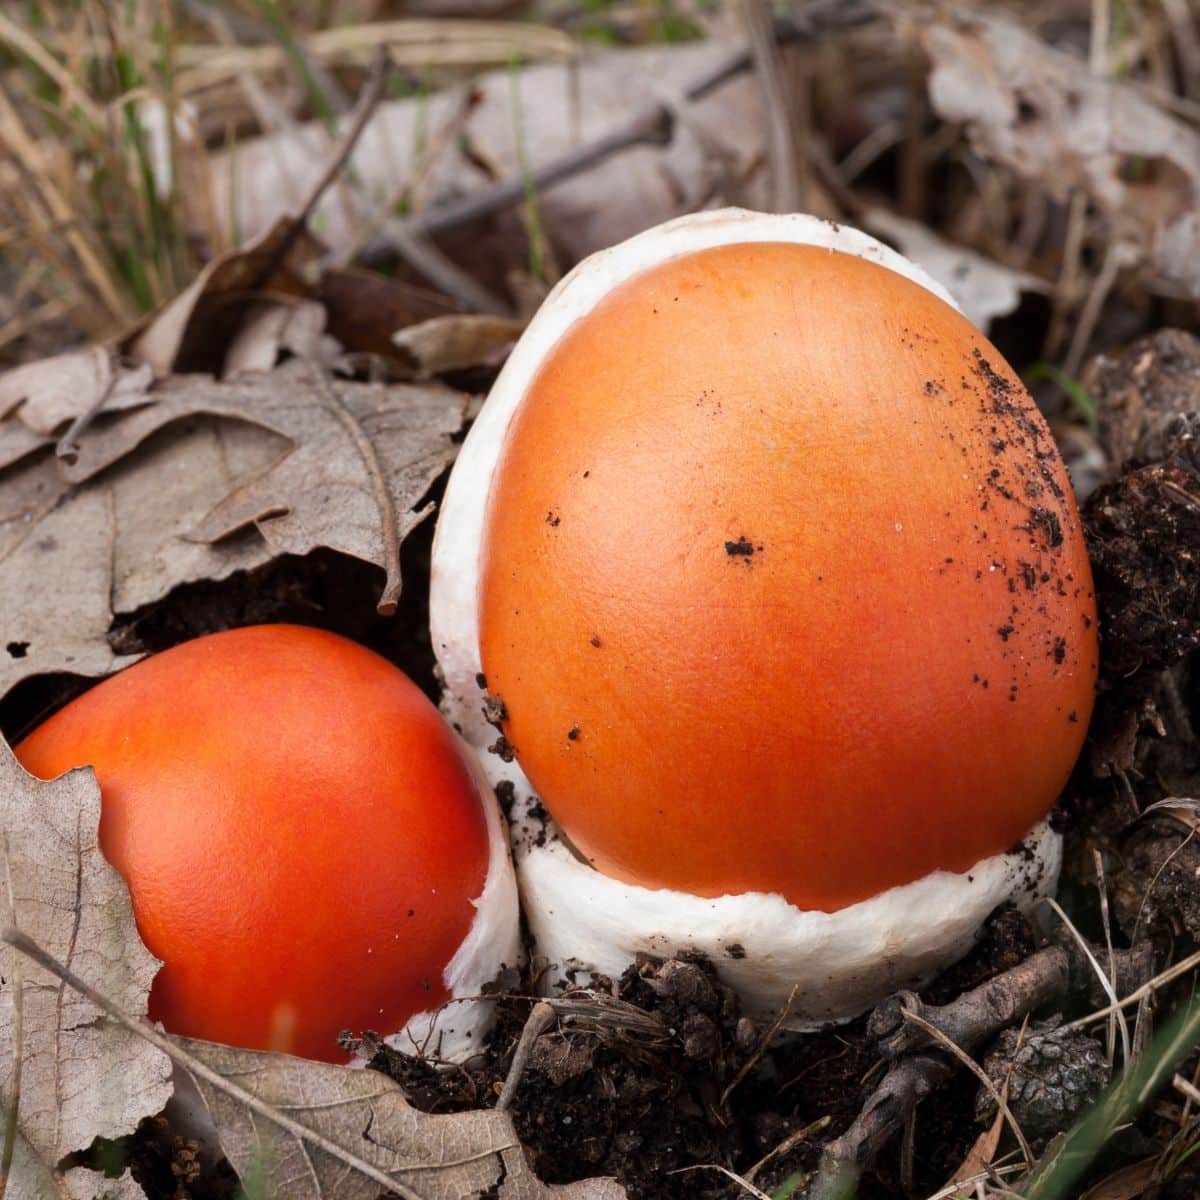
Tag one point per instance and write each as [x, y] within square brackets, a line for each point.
[840, 964]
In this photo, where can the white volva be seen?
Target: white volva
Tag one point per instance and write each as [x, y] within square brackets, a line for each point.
[457, 1029]
[838, 963]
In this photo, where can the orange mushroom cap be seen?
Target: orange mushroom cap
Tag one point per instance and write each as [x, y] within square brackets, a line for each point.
[301, 834]
[783, 586]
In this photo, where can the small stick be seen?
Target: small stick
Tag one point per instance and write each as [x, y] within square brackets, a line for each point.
[980, 1074]
[978, 1014]
[760, 1049]
[18, 1037]
[905, 1027]
[389, 599]
[540, 1018]
[68, 445]
[788, 1144]
[368, 102]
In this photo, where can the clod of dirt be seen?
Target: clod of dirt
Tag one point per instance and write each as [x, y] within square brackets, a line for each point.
[1143, 527]
[1154, 888]
[1142, 531]
[1051, 1077]
[1141, 391]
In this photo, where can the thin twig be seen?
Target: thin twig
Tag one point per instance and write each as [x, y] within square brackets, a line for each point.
[1089, 315]
[732, 1175]
[761, 1048]
[788, 1144]
[979, 1073]
[17, 982]
[540, 1018]
[67, 447]
[368, 102]
[24, 944]
[389, 598]
[787, 192]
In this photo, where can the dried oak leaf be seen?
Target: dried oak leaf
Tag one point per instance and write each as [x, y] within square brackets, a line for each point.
[211, 479]
[364, 1113]
[82, 1076]
[361, 459]
[1045, 115]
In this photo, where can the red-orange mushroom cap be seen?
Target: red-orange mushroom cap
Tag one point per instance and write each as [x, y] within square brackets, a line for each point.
[775, 569]
[783, 587]
[308, 847]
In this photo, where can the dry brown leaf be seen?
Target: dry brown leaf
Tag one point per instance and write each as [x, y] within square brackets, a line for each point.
[435, 1157]
[1177, 808]
[55, 580]
[1045, 115]
[454, 342]
[211, 479]
[365, 308]
[192, 331]
[82, 1075]
[983, 288]
[46, 395]
[549, 109]
[362, 458]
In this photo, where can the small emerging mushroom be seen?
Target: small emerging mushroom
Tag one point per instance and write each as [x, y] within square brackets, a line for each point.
[307, 845]
[773, 575]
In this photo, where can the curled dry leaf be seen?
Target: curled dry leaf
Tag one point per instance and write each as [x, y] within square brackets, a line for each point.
[212, 478]
[192, 331]
[362, 456]
[1042, 113]
[432, 1157]
[271, 326]
[983, 288]
[453, 342]
[82, 1076]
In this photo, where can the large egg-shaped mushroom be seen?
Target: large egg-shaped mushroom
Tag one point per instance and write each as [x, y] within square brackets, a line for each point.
[774, 578]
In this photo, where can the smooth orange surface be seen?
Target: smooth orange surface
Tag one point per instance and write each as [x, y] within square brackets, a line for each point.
[301, 836]
[783, 584]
